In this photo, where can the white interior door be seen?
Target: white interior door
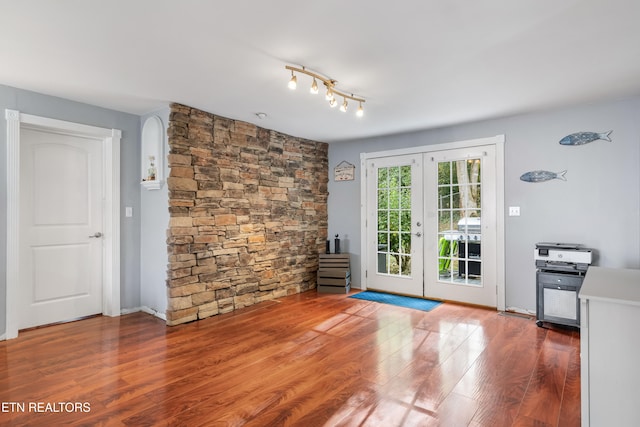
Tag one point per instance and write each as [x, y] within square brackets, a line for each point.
[461, 225]
[394, 218]
[61, 226]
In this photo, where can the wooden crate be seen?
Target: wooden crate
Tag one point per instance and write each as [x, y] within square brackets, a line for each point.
[334, 277]
[334, 261]
[334, 273]
[334, 289]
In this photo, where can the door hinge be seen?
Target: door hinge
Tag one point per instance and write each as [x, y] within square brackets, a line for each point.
[366, 273]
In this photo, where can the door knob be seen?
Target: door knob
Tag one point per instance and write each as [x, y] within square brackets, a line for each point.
[96, 235]
[419, 234]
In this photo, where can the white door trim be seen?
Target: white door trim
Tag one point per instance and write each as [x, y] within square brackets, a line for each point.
[111, 181]
[498, 142]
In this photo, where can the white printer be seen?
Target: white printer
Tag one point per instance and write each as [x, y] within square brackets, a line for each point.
[562, 256]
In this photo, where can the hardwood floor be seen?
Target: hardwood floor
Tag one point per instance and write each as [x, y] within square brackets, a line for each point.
[305, 360]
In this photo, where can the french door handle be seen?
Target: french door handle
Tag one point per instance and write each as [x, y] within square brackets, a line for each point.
[96, 235]
[418, 234]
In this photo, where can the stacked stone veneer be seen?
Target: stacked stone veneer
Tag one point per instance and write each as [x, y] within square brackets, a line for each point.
[248, 209]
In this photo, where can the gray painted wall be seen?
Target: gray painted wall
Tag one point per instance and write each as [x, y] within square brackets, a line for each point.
[57, 108]
[154, 216]
[598, 205]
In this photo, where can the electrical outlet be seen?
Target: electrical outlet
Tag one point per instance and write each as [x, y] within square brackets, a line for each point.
[514, 210]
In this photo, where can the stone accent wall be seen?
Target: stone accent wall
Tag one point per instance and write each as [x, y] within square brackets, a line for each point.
[248, 210]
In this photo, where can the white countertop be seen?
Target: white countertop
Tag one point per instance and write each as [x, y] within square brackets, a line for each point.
[618, 285]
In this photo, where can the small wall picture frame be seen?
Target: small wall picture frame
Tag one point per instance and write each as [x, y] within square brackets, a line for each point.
[345, 171]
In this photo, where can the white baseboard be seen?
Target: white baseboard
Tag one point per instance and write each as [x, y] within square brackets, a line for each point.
[158, 314]
[521, 311]
[145, 309]
[130, 310]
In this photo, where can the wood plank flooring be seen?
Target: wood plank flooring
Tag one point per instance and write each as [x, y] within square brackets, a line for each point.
[304, 360]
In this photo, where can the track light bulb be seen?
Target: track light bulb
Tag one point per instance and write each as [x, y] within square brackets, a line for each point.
[293, 83]
[314, 87]
[360, 111]
[343, 107]
[329, 95]
[333, 103]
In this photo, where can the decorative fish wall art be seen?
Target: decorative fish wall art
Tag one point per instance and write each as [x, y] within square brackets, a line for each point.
[542, 176]
[581, 138]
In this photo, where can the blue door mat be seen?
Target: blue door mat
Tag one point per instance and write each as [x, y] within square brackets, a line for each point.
[399, 300]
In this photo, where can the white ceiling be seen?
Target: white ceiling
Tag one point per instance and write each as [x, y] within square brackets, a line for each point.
[419, 63]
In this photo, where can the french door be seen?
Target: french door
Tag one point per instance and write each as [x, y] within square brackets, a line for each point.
[431, 224]
[460, 225]
[394, 231]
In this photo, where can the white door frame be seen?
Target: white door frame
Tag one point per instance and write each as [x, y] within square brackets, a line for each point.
[498, 142]
[111, 205]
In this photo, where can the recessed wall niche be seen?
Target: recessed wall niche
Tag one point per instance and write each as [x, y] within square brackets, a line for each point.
[152, 165]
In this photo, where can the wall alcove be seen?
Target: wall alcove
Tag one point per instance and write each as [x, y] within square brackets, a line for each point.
[151, 160]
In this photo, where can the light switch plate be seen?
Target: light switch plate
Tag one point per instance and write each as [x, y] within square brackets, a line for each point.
[128, 211]
[514, 210]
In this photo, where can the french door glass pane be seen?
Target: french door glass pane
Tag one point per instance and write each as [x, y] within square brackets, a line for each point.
[459, 218]
[394, 221]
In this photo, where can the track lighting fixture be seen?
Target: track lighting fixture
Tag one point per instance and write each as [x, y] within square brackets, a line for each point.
[331, 90]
